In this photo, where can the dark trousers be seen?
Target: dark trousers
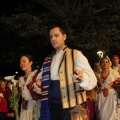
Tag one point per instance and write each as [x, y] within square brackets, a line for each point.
[3, 116]
[58, 113]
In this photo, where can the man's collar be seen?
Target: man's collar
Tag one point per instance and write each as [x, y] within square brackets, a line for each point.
[63, 50]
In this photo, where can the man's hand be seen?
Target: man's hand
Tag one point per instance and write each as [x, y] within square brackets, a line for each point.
[77, 76]
[36, 87]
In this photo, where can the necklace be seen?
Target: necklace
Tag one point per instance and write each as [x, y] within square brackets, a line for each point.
[104, 74]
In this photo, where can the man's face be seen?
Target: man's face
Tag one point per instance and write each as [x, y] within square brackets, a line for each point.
[115, 60]
[57, 38]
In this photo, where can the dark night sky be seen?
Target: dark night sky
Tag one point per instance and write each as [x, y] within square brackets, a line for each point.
[8, 7]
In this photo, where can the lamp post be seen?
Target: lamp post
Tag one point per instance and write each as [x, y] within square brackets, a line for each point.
[100, 54]
[16, 72]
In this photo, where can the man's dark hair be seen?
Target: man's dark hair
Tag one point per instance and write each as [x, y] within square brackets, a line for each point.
[57, 25]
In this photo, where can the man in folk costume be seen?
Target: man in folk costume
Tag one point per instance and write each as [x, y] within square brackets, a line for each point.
[63, 72]
[115, 63]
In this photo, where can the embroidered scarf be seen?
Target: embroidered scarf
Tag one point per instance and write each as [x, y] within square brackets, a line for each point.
[45, 110]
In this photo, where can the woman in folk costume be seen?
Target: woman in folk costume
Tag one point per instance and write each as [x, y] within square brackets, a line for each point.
[3, 107]
[29, 105]
[107, 96]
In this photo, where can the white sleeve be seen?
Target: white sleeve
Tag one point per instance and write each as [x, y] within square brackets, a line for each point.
[39, 76]
[89, 78]
[19, 82]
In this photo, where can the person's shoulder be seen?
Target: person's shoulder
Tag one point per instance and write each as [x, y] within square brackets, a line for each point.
[79, 52]
[114, 72]
[50, 55]
[21, 78]
[75, 50]
[36, 72]
[119, 69]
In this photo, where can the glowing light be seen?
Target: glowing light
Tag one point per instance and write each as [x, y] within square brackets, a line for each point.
[100, 54]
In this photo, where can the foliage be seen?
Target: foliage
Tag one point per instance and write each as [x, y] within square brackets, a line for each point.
[90, 25]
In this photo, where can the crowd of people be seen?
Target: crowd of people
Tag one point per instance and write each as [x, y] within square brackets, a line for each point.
[65, 80]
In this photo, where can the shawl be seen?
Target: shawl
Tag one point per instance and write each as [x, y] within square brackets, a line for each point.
[23, 85]
[45, 109]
